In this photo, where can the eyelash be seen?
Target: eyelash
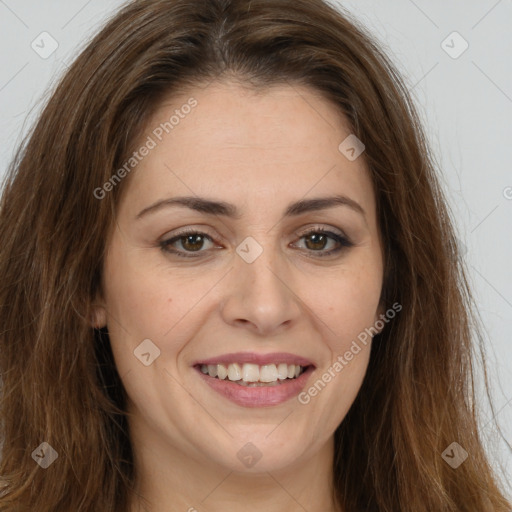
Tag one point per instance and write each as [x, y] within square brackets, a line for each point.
[344, 243]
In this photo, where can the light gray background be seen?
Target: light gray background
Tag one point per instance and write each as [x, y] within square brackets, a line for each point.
[466, 104]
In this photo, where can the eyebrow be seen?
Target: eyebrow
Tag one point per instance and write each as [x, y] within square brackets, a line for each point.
[212, 207]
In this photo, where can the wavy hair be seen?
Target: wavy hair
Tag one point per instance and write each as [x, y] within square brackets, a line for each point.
[59, 380]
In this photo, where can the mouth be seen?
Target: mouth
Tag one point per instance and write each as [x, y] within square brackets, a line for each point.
[252, 380]
[253, 375]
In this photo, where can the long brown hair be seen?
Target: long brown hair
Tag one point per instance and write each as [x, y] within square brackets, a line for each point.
[59, 381]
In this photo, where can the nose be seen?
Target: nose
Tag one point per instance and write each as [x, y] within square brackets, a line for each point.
[260, 295]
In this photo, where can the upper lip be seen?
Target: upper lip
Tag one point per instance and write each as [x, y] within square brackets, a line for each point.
[255, 358]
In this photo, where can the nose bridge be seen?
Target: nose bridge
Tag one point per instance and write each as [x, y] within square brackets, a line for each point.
[260, 293]
[257, 265]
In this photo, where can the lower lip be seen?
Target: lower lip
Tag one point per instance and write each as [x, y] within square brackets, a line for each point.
[258, 396]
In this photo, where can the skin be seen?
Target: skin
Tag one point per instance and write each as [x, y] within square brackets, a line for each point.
[260, 151]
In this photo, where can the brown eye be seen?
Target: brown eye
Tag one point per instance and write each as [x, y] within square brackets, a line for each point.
[317, 240]
[190, 242]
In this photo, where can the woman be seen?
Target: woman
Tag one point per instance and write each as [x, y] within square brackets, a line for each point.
[230, 279]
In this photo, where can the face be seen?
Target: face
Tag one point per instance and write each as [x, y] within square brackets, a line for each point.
[250, 272]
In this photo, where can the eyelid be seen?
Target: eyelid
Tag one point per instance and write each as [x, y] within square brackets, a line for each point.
[335, 234]
[321, 227]
[205, 230]
[185, 231]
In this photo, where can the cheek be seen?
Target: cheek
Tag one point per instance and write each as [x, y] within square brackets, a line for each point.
[147, 301]
[347, 310]
[348, 302]
[133, 301]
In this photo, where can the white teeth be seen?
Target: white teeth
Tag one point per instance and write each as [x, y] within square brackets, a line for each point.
[252, 373]
[268, 373]
[222, 372]
[234, 372]
[282, 371]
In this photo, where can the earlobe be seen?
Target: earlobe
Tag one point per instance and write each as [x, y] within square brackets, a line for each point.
[98, 317]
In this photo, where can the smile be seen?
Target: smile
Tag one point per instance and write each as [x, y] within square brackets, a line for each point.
[253, 374]
[253, 380]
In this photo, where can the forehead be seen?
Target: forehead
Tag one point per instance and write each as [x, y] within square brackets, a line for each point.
[231, 119]
[281, 142]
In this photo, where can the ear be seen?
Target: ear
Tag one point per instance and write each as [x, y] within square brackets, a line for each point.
[99, 313]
